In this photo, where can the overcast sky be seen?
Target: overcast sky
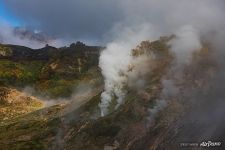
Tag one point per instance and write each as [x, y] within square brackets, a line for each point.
[95, 19]
[74, 18]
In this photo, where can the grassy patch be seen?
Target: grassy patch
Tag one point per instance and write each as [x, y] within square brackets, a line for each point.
[18, 74]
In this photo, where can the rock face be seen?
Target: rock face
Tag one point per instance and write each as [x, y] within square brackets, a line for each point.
[5, 51]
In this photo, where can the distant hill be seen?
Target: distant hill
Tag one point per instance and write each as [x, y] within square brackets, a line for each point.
[22, 66]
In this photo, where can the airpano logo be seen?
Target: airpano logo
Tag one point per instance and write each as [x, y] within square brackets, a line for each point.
[202, 144]
[210, 144]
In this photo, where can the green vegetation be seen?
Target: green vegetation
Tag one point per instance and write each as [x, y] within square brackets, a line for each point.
[46, 81]
[56, 87]
[19, 74]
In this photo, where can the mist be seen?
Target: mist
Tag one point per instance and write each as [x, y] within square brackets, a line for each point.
[116, 59]
[8, 36]
[192, 23]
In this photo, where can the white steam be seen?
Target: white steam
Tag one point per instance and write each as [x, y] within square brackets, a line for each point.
[162, 18]
[186, 42]
[121, 70]
[116, 60]
[117, 57]
[160, 105]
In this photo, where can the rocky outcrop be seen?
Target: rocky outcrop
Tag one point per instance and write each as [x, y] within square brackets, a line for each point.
[5, 51]
[14, 103]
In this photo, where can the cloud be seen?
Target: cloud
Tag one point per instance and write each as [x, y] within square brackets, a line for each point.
[71, 18]
[24, 37]
[92, 20]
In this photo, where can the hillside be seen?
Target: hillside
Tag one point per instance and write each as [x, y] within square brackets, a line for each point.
[50, 71]
[156, 116]
[15, 103]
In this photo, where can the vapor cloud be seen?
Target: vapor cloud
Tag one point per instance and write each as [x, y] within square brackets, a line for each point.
[8, 36]
[115, 61]
[161, 18]
[186, 42]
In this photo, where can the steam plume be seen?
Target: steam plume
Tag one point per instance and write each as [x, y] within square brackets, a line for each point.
[162, 18]
[115, 61]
